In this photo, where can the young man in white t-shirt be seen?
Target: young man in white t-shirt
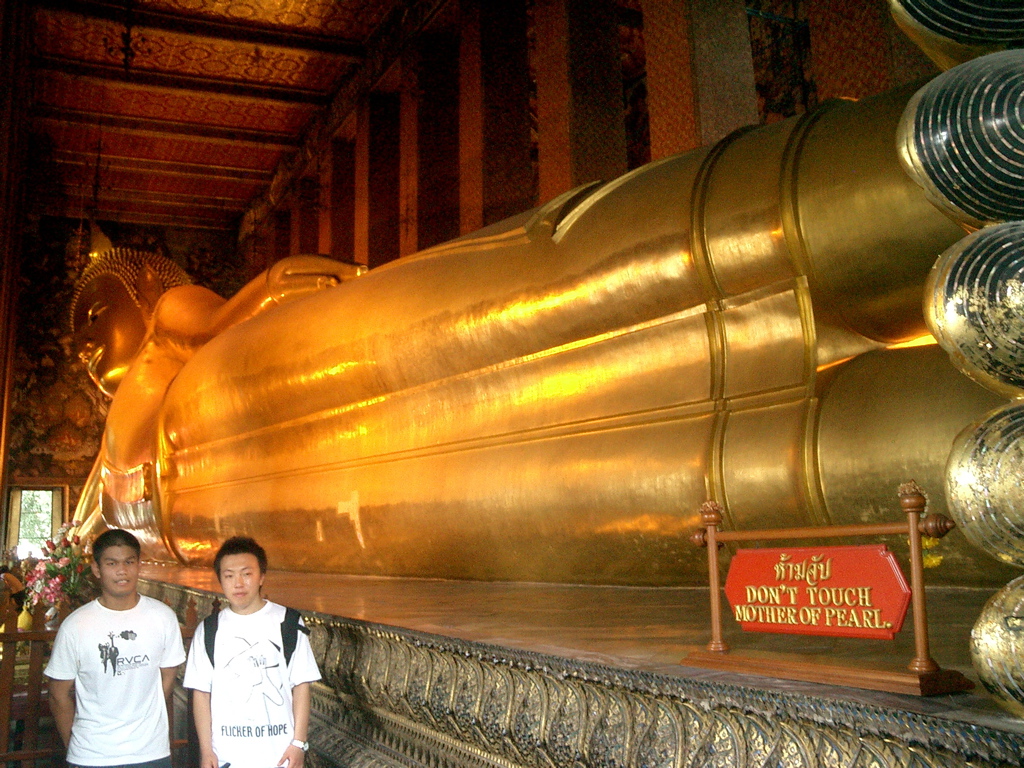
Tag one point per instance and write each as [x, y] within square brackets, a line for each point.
[251, 702]
[113, 666]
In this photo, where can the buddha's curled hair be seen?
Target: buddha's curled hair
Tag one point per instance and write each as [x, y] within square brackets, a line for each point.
[125, 264]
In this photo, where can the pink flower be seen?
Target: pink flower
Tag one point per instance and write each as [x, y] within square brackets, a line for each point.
[57, 575]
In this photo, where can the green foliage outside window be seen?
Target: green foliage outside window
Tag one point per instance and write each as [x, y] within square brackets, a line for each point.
[36, 524]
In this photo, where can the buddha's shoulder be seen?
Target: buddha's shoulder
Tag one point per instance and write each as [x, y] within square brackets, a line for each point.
[185, 310]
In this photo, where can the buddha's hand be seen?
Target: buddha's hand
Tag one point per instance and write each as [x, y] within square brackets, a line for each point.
[297, 276]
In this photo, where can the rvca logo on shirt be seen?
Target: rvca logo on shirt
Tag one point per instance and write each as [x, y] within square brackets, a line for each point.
[116, 662]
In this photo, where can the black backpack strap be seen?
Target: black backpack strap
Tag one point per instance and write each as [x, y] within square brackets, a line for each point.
[210, 632]
[290, 632]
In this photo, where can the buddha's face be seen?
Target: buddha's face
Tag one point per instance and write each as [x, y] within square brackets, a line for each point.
[109, 330]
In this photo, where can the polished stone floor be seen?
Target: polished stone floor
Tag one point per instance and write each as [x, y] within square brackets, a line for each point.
[648, 629]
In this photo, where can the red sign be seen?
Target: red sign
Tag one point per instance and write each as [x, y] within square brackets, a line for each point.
[856, 591]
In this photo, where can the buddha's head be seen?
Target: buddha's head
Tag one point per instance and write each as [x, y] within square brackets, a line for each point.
[112, 305]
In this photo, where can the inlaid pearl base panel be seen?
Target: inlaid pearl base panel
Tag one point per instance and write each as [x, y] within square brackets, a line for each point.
[435, 673]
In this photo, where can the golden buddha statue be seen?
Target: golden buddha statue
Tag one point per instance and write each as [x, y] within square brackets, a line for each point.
[553, 397]
[137, 319]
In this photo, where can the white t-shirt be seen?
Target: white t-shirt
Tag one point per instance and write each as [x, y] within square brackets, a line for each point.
[115, 658]
[250, 688]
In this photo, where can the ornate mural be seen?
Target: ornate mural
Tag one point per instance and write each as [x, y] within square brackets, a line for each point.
[634, 83]
[781, 46]
[57, 414]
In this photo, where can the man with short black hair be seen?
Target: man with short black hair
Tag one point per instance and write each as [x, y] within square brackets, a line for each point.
[113, 666]
[250, 666]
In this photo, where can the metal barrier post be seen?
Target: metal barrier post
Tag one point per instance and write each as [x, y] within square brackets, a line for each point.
[913, 501]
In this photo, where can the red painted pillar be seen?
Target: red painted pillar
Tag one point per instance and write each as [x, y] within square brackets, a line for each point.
[579, 94]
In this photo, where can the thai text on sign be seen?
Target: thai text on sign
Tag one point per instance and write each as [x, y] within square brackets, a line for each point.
[854, 591]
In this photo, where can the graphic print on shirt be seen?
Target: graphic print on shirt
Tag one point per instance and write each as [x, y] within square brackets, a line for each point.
[116, 662]
[256, 672]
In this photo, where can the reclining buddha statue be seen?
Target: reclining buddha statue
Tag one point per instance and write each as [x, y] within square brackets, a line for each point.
[551, 398]
[137, 320]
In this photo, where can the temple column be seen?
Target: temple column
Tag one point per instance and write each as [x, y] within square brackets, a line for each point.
[304, 232]
[723, 68]
[471, 120]
[671, 91]
[337, 195]
[579, 94]
[281, 231]
[383, 178]
[361, 183]
[14, 52]
[258, 249]
[324, 219]
[438, 139]
[408, 155]
[496, 172]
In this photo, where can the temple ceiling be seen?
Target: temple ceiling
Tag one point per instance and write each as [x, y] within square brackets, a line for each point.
[183, 111]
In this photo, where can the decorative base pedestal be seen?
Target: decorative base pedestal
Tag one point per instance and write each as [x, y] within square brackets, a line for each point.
[393, 697]
[792, 667]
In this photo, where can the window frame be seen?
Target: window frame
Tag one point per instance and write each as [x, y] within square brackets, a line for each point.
[12, 501]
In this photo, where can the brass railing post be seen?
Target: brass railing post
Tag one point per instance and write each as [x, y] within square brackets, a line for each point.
[913, 501]
[711, 516]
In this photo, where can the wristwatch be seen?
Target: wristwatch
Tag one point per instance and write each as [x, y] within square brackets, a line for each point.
[303, 745]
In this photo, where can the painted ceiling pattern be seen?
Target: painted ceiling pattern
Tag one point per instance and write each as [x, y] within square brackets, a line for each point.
[231, 193]
[77, 37]
[354, 19]
[83, 93]
[184, 109]
[135, 144]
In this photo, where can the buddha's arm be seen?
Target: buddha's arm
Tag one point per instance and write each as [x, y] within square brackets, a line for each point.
[189, 315]
[288, 279]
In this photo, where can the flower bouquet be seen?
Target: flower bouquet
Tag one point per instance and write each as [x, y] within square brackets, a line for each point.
[61, 575]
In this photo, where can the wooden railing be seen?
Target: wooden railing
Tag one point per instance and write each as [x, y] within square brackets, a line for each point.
[24, 706]
[23, 695]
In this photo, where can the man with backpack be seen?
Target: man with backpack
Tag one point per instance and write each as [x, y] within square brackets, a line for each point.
[249, 667]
